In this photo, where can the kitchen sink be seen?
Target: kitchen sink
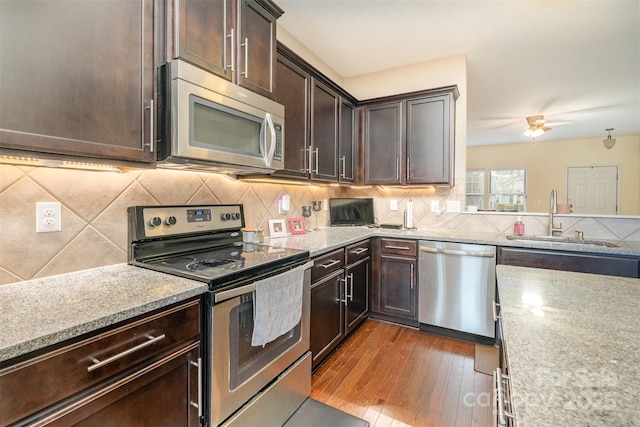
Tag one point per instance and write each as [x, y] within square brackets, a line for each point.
[562, 240]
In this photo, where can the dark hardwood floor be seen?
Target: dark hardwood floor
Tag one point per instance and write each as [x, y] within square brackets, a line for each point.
[391, 375]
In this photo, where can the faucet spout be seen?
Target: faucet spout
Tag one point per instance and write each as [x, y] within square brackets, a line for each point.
[553, 202]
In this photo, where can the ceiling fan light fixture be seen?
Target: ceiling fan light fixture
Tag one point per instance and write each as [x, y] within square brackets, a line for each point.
[533, 132]
[608, 141]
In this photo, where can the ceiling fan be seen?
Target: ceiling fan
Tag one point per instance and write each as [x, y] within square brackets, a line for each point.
[538, 126]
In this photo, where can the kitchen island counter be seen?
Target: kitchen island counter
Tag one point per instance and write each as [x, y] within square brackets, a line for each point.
[573, 346]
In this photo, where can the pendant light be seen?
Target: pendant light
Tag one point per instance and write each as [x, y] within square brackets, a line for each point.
[608, 141]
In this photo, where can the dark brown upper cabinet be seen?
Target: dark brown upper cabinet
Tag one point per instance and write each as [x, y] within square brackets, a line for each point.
[77, 79]
[320, 126]
[235, 39]
[409, 139]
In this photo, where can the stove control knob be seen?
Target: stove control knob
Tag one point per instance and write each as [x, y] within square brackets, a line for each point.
[225, 216]
[235, 216]
[170, 220]
[155, 221]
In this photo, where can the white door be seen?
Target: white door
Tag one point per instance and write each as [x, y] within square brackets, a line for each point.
[593, 189]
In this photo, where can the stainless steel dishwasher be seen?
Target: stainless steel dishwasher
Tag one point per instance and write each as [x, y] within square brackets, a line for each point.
[457, 283]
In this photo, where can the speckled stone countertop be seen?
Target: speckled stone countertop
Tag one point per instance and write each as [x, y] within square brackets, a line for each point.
[38, 313]
[573, 346]
[53, 309]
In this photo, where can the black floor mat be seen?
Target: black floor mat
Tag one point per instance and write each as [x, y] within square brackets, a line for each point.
[316, 414]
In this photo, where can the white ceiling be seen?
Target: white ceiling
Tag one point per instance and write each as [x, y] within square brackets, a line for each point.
[575, 60]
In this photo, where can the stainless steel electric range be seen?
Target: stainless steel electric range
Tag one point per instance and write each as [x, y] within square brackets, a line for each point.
[245, 384]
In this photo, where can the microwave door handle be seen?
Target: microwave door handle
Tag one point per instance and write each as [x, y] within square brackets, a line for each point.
[272, 146]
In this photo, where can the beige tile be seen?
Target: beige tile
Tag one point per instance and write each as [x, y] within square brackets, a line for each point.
[204, 196]
[622, 228]
[225, 189]
[24, 251]
[8, 175]
[7, 277]
[87, 193]
[112, 223]
[255, 213]
[75, 257]
[170, 187]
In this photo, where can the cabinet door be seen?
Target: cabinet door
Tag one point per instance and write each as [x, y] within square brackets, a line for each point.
[168, 393]
[203, 34]
[383, 143]
[347, 143]
[292, 91]
[357, 294]
[77, 78]
[256, 48]
[429, 142]
[397, 287]
[324, 132]
[327, 316]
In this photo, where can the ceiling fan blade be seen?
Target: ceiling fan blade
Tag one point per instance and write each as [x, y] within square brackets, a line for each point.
[560, 123]
[544, 128]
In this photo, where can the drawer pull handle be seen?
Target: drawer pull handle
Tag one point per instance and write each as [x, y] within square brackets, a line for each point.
[501, 398]
[494, 306]
[98, 364]
[402, 248]
[330, 264]
[359, 251]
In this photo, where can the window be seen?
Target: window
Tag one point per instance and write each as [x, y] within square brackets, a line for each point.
[475, 188]
[507, 190]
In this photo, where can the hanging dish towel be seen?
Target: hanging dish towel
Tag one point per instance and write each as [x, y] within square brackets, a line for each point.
[277, 305]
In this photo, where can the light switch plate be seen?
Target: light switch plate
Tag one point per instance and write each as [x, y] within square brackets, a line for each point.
[393, 205]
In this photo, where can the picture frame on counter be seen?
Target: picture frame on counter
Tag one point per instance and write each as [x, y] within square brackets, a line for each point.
[297, 225]
[277, 228]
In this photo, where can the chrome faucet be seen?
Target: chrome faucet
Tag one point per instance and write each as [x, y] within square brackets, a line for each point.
[553, 201]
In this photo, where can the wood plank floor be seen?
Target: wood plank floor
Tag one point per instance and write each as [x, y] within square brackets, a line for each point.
[391, 375]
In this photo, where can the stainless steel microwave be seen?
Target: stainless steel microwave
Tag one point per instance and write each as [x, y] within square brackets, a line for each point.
[208, 123]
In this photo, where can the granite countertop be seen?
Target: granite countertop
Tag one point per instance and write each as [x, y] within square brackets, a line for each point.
[573, 347]
[41, 312]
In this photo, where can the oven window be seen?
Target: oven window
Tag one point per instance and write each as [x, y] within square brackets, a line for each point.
[225, 129]
[246, 360]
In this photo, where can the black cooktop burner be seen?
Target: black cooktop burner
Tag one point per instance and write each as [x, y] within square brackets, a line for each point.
[213, 263]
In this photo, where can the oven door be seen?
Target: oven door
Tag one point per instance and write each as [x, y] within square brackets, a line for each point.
[238, 370]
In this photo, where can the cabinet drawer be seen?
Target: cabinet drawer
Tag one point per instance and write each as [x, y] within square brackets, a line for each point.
[327, 264]
[357, 252]
[399, 247]
[30, 386]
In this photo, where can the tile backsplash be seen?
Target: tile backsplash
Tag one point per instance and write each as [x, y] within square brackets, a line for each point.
[94, 218]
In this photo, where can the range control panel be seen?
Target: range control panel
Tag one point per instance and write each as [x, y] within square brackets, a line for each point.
[160, 221]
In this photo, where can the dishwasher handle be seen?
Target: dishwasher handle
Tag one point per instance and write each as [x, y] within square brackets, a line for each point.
[482, 254]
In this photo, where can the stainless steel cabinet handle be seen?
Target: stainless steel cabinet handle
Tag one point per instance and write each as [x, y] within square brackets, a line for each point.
[408, 168]
[233, 56]
[151, 126]
[402, 248]
[310, 159]
[483, 254]
[245, 73]
[359, 251]
[413, 269]
[199, 403]
[500, 398]
[98, 364]
[397, 168]
[494, 307]
[350, 294]
[317, 161]
[343, 166]
[329, 264]
[344, 280]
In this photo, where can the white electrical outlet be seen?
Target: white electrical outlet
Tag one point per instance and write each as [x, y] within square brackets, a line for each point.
[393, 205]
[435, 206]
[48, 217]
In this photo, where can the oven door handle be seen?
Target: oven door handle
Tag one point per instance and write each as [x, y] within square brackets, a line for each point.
[246, 289]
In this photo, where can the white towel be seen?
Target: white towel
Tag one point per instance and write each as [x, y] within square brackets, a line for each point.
[277, 305]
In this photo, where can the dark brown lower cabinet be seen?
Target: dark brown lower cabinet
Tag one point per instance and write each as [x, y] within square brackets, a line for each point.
[163, 394]
[357, 298]
[142, 372]
[394, 290]
[327, 316]
[583, 262]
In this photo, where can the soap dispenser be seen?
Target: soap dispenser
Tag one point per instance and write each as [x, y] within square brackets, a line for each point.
[518, 227]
